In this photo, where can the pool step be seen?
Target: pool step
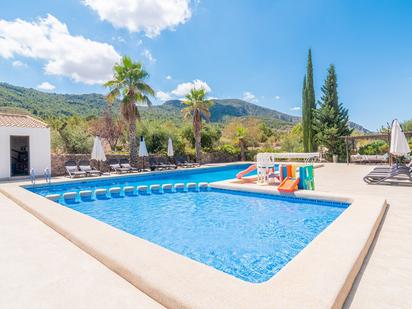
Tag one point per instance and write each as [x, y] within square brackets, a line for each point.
[155, 189]
[191, 186]
[128, 190]
[167, 187]
[69, 196]
[100, 192]
[53, 197]
[179, 187]
[203, 185]
[142, 189]
[115, 191]
[85, 194]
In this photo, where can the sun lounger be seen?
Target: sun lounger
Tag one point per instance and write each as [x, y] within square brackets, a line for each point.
[72, 169]
[124, 163]
[393, 176]
[183, 162]
[115, 166]
[84, 166]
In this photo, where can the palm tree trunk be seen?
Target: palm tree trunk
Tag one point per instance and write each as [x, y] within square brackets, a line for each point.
[198, 146]
[133, 154]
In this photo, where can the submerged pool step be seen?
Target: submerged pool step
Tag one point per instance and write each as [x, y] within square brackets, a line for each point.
[203, 185]
[85, 194]
[179, 187]
[167, 187]
[115, 191]
[53, 197]
[191, 186]
[70, 195]
[155, 189]
[100, 192]
[142, 189]
[128, 189]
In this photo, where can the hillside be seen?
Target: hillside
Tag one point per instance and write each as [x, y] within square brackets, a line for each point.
[45, 105]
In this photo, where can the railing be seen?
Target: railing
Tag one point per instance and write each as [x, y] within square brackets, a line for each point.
[33, 176]
[47, 175]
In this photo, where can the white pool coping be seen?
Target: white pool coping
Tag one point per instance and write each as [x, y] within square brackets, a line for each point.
[320, 276]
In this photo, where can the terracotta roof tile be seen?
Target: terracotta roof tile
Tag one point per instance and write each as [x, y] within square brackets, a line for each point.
[20, 121]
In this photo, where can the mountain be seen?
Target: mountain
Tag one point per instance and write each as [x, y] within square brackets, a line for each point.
[50, 104]
[45, 105]
[227, 108]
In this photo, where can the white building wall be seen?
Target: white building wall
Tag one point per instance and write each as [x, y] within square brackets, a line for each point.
[39, 148]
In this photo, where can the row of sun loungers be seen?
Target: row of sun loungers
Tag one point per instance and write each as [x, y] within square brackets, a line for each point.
[398, 174]
[84, 169]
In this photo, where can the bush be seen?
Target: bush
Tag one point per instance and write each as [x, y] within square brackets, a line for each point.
[229, 149]
[374, 148]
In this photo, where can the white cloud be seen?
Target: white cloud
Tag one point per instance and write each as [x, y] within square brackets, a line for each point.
[249, 97]
[139, 42]
[163, 96]
[296, 108]
[148, 55]
[184, 88]
[48, 39]
[168, 77]
[46, 86]
[18, 64]
[149, 16]
[277, 97]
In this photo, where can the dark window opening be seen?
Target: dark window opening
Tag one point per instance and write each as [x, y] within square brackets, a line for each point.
[19, 153]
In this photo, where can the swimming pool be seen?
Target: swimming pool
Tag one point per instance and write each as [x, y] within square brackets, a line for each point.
[247, 235]
[209, 174]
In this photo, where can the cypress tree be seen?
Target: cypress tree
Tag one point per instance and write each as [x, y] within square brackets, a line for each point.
[331, 120]
[308, 106]
[304, 116]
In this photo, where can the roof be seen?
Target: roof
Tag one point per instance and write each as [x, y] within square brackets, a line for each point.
[20, 121]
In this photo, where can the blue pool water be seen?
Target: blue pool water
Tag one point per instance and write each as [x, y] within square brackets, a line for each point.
[249, 236]
[193, 175]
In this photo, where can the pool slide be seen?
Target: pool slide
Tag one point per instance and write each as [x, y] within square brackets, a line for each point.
[288, 184]
[246, 171]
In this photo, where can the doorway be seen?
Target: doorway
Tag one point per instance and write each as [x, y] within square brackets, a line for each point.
[19, 156]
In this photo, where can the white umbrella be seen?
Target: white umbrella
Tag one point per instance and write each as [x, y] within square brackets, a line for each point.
[142, 148]
[399, 144]
[98, 151]
[170, 151]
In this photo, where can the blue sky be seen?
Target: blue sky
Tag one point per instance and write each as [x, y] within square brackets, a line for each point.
[236, 48]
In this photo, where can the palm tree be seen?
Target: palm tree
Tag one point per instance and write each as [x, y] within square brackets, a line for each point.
[240, 138]
[129, 85]
[197, 107]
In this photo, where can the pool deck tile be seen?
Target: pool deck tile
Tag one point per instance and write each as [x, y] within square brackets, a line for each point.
[39, 268]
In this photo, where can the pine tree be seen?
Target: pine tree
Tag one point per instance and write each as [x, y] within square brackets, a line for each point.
[331, 120]
[308, 107]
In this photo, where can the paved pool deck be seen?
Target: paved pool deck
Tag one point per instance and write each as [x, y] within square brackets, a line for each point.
[41, 269]
[385, 280]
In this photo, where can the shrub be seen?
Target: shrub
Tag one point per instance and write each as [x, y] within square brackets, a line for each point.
[374, 148]
[229, 149]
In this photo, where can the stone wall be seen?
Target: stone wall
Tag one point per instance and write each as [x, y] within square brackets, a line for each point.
[218, 157]
[58, 160]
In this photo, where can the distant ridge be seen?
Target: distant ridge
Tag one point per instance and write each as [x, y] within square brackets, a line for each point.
[44, 105]
[224, 108]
